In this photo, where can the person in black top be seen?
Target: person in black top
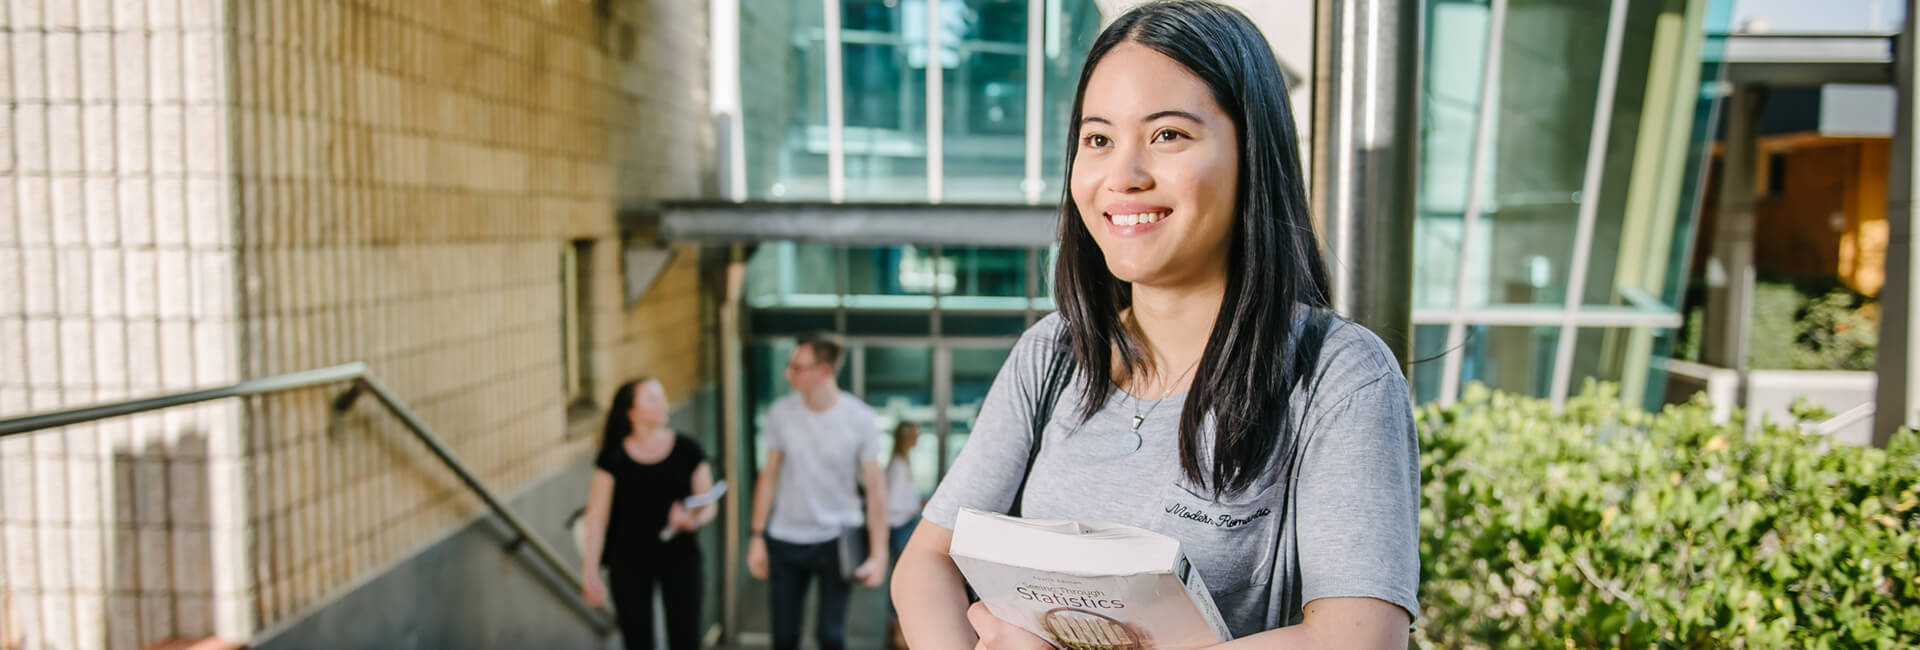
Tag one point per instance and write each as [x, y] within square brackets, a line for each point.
[643, 473]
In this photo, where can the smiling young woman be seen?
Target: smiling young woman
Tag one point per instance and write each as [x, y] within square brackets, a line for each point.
[1189, 274]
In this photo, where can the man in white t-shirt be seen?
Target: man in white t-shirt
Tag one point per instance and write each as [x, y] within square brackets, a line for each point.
[820, 440]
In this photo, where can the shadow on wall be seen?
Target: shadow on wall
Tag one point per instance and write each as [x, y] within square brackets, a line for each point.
[160, 580]
[121, 556]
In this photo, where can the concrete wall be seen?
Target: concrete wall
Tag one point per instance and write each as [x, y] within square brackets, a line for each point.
[461, 591]
[194, 192]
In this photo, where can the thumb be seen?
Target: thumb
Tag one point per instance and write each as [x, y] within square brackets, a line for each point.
[983, 623]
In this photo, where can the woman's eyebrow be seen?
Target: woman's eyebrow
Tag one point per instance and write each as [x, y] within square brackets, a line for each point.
[1091, 119]
[1176, 113]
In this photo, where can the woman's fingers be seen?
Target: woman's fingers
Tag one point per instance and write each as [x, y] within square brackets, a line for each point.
[996, 634]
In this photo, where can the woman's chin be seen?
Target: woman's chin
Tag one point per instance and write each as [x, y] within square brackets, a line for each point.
[1134, 272]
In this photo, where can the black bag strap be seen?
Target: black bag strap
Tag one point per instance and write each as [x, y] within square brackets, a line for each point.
[1058, 375]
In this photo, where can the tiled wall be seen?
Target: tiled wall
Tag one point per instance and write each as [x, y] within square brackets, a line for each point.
[197, 191]
[116, 280]
[409, 174]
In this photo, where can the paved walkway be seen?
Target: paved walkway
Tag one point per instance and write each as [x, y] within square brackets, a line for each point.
[866, 619]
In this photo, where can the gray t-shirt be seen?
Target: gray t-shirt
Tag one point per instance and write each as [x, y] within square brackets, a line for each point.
[1356, 487]
[815, 499]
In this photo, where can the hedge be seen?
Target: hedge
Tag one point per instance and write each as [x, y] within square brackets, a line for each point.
[1607, 526]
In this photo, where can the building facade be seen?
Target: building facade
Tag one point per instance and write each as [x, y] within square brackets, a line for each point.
[1562, 151]
[1562, 157]
[197, 192]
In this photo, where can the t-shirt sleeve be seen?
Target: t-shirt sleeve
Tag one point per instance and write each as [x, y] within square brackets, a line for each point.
[695, 454]
[1359, 497]
[609, 457]
[987, 472]
[869, 436]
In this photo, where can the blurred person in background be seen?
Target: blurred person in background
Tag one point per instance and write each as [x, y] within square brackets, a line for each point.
[643, 473]
[821, 441]
[903, 512]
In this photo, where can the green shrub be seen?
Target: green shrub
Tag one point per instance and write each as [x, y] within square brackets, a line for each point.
[1839, 330]
[1606, 526]
[1798, 324]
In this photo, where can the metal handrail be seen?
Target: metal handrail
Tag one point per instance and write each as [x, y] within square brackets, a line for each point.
[1845, 419]
[362, 380]
[251, 387]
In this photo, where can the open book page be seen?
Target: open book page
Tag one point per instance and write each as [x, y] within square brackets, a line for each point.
[1087, 585]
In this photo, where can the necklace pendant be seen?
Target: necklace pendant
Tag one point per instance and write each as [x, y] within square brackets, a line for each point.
[1136, 422]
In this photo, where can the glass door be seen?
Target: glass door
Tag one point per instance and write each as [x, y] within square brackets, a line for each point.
[896, 379]
[967, 370]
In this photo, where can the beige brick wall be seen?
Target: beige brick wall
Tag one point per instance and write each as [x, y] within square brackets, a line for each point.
[115, 281]
[409, 174]
[190, 196]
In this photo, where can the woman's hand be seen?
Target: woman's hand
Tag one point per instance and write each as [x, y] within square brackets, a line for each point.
[591, 589]
[996, 634]
[680, 518]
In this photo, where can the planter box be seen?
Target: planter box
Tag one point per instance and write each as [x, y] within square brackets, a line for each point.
[1770, 393]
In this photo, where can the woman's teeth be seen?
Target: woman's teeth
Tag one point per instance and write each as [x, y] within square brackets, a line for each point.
[1136, 219]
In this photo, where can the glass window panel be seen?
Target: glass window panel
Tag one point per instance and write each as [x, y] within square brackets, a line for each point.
[1429, 348]
[1550, 72]
[1051, 255]
[1450, 99]
[984, 104]
[884, 99]
[1436, 258]
[884, 61]
[1598, 355]
[1686, 210]
[1622, 356]
[766, 381]
[1631, 231]
[783, 95]
[996, 272]
[899, 387]
[905, 270]
[973, 373]
[1510, 358]
[792, 274]
[1069, 33]
[1655, 383]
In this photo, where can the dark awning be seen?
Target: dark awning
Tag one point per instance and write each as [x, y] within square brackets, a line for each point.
[859, 223]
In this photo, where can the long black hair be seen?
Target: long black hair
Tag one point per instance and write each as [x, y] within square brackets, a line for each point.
[1273, 268]
[620, 414]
